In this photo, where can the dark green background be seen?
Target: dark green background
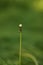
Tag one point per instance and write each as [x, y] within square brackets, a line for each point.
[12, 13]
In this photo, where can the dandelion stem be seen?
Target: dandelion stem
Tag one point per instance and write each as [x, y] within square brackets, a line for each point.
[20, 48]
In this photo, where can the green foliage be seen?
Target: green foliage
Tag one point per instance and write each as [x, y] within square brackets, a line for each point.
[12, 13]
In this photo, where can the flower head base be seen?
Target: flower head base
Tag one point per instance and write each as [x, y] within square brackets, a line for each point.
[20, 27]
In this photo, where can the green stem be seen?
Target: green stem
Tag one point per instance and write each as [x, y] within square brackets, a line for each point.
[20, 48]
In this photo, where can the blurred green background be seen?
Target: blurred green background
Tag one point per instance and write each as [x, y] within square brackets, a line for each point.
[30, 14]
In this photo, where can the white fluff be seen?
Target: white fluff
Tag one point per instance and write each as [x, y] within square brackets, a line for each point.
[20, 25]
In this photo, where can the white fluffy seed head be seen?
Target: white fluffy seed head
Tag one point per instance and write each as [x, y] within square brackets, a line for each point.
[20, 25]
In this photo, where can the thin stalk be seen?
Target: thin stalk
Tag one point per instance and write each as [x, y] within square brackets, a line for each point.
[20, 48]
